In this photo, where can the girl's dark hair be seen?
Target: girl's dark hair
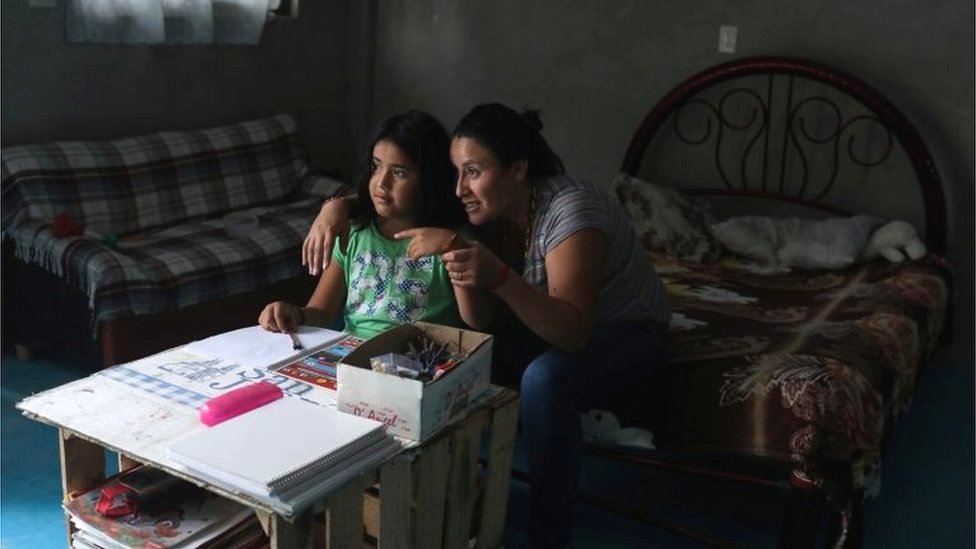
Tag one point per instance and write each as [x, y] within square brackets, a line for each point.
[425, 141]
[511, 137]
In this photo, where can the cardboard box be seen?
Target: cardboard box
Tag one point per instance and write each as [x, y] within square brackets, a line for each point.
[410, 408]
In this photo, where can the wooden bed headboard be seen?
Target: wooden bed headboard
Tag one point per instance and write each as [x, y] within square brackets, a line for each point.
[796, 132]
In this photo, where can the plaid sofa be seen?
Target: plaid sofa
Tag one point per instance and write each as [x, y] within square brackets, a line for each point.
[153, 207]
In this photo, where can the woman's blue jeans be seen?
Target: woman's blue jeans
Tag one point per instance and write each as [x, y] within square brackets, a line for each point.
[557, 387]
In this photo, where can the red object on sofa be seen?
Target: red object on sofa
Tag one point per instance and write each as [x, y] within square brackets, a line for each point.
[63, 226]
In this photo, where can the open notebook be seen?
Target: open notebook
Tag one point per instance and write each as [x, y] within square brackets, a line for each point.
[256, 347]
[286, 444]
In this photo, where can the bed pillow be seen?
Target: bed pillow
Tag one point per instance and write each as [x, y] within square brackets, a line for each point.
[667, 220]
[832, 243]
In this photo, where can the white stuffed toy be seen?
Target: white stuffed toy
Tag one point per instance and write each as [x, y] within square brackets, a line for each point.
[893, 241]
[603, 426]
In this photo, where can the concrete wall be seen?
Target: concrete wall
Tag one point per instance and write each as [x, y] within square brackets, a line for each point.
[52, 90]
[595, 68]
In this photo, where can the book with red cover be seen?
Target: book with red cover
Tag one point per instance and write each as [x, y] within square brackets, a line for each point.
[174, 515]
[320, 368]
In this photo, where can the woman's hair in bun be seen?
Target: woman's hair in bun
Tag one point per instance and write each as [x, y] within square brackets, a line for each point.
[511, 137]
[534, 118]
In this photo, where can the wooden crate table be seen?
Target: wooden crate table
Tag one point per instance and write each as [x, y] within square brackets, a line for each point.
[438, 493]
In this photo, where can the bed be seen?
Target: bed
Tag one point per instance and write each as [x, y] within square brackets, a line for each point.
[785, 375]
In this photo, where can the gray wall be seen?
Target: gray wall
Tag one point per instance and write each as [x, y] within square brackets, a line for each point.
[52, 90]
[595, 68]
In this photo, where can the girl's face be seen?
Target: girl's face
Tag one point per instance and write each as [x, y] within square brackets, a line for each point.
[394, 183]
[487, 190]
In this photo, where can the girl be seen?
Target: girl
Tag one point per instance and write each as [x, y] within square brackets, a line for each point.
[407, 182]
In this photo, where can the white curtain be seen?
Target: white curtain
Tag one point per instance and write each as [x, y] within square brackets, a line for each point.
[167, 21]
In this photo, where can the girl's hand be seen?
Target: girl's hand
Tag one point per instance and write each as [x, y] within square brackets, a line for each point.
[280, 317]
[425, 241]
[475, 267]
[331, 222]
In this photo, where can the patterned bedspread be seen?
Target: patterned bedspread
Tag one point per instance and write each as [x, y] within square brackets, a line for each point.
[799, 365]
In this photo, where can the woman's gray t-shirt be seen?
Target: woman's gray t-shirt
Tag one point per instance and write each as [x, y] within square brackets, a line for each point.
[630, 289]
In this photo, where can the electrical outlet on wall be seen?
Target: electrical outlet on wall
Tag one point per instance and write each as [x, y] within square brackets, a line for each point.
[727, 37]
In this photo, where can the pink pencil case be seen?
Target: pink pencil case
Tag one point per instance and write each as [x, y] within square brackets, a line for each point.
[238, 401]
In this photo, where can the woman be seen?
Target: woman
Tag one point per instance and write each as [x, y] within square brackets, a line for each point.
[565, 262]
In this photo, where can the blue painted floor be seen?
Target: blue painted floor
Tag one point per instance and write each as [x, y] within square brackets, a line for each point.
[926, 497]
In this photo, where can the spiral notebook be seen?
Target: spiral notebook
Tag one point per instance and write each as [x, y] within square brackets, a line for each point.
[278, 446]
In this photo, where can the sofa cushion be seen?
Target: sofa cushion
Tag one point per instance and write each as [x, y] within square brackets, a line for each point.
[176, 266]
[129, 185]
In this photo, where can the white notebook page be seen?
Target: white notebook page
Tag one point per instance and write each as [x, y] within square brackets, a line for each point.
[253, 450]
[258, 348]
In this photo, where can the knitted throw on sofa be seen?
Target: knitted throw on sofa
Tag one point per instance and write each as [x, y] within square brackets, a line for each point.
[162, 198]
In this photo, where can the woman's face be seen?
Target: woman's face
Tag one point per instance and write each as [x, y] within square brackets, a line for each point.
[394, 183]
[487, 190]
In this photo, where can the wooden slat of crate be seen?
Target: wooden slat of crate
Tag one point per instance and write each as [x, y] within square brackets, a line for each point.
[284, 534]
[396, 503]
[82, 467]
[431, 492]
[462, 480]
[344, 516]
[82, 464]
[504, 424]
[126, 462]
[438, 483]
[371, 512]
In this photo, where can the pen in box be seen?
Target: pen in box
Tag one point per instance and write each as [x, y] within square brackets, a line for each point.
[295, 343]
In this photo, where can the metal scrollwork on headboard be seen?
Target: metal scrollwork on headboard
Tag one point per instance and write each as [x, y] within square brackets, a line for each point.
[757, 122]
[789, 134]
[797, 131]
[797, 138]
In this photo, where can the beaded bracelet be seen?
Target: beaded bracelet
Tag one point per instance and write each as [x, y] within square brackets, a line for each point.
[335, 197]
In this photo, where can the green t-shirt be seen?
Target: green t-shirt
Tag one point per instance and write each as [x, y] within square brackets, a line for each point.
[386, 288]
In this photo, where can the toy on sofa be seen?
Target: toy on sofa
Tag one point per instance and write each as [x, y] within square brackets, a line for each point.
[893, 241]
[64, 226]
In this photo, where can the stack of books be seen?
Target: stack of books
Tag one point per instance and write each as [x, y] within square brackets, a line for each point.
[286, 454]
[144, 507]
